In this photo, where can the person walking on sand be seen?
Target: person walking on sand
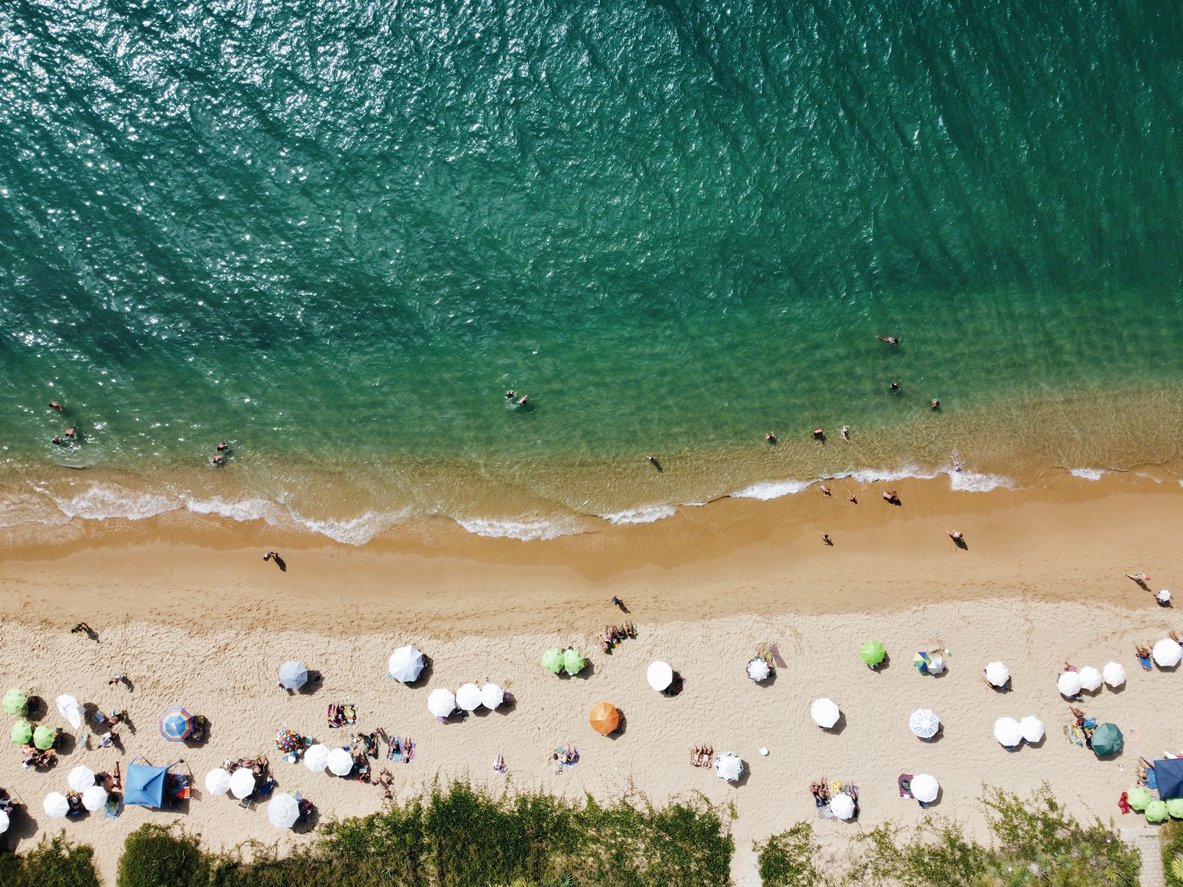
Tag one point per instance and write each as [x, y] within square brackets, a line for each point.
[825, 490]
[890, 496]
[826, 539]
[81, 626]
[117, 679]
[852, 497]
[956, 535]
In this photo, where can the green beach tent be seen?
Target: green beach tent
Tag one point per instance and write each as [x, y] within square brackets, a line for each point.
[1138, 797]
[14, 701]
[44, 736]
[872, 652]
[22, 732]
[573, 661]
[1107, 740]
[1156, 811]
[1175, 808]
[552, 660]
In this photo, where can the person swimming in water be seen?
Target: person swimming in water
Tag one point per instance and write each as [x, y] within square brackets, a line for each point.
[54, 405]
[890, 340]
[770, 437]
[936, 404]
[894, 386]
[846, 433]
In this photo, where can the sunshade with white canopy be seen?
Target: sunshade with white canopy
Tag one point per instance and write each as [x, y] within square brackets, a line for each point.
[825, 713]
[492, 696]
[842, 806]
[1008, 732]
[997, 674]
[56, 805]
[3, 822]
[441, 702]
[405, 664]
[758, 670]
[340, 762]
[924, 788]
[242, 783]
[283, 810]
[729, 766]
[1090, 678]
[1114, 674]
[70, 710]
[293, 675]
[468, 697]
[217, 781]
[659, 675]
[1167, 653]
[81, 778]
[94, 798]
[1031, 728]
[924, 723]
[316, 758]
[1068, 683]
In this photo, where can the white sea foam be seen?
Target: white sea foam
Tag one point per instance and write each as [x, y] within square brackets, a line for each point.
[103, 501]
[773, 489]
[972, 482]
[356, 531]
[526, 530]
[644, 514]
[1088, 473]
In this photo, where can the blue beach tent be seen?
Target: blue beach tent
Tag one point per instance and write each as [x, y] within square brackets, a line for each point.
[144, 785]
[1169, 773]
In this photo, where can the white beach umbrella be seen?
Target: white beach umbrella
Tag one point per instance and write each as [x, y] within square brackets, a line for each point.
[492, 696]
[660, 675]
[70, 710]
[997, 674]
[924, 723]
[1069, 683]
[94, 798]
[80, 778]
[3, 822]
[441, 703]
[1167, 653]
[242, 783]
[468, 697]
[936, 665]
[340, 762]
[758, 670]
[1008, 732]
[1031, 728]
[729, 766]
[925, 788]
[825, 713]
[1114, 674]
[1090, 678]
[217, 781]
[405, 664]
[283, 810]
[317, 757]
[56, 805]
[293, 675]
[842, 806]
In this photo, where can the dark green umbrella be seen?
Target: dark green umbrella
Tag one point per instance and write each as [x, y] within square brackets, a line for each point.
[1107, 740]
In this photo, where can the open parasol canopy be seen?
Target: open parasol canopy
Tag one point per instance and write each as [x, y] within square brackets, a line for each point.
[1090, 679]
[925, 788]
[872, 653]
[44, 737]
[1068, 683]
[997, 674]
[316, 758]
[81, 778]
[1156, 811]
[1032, 728]
[1138, 797]
[573, 661]
[492, 696]
[176, 724]
[69, 709]
[15, 701]
[758, 670]
[1114, 674]
[217, 781]
[552, 660]
[22, 733]
[340, 762]
[441, 702]
[3, 822]
[925, 723]
[729, 766]
[288, 740]
[468, 697]
[293, 675]
[1167, 653]
[1008, 732]
[604, 718]
[842, 806]
[242, 783]
[405, 664]
[659, 675]
[1107, 740]
[825, 713]
[56, 805]
[283, 810]
[94, 798]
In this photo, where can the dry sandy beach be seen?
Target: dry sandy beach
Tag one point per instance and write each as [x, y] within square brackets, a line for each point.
[193, 616]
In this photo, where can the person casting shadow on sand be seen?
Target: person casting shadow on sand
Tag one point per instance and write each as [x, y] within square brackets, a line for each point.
[958, 539]
[274, 556]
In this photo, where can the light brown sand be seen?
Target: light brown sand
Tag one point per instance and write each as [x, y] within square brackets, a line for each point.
[192, 619]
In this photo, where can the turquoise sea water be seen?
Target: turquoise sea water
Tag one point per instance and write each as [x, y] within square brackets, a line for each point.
[334, 233]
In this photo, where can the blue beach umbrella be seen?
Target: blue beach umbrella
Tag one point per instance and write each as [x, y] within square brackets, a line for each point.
[293, 675]
[176, 725]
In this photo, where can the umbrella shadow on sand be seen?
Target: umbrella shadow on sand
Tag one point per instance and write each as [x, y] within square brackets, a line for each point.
[621, 726]
[584, 673]
[424, 674]
[839, 725]
[21, 826]
[315, 682]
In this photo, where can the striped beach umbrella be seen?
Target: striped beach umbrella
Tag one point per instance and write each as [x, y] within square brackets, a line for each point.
[176, 725]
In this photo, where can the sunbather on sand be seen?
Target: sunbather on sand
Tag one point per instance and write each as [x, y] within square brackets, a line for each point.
[1144, 657]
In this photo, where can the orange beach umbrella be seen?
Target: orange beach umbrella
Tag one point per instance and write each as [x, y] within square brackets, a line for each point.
[604, 718]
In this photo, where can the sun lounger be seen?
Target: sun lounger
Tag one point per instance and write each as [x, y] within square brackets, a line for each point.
[1146, 663]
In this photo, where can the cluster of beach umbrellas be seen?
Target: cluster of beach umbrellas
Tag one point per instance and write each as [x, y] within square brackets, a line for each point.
[1088, 679]
[82, 780]
[1010, 733]
[441, 702]
[570, 660]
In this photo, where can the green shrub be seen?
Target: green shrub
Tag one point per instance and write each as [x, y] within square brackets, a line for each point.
[163, 856]
[55, 862]
[1172, 853]
[787, 859]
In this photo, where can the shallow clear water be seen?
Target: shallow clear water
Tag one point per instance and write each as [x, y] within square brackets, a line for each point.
[335, 233]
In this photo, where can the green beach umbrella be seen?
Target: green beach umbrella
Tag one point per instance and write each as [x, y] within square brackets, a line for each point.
[552, 660]
[1107, 740]
[1138, 797]
[573, 661]
[1175, 808]
[1156, 811]
[44, 736]
[22, 732]
[14, 701]
[872, 652]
